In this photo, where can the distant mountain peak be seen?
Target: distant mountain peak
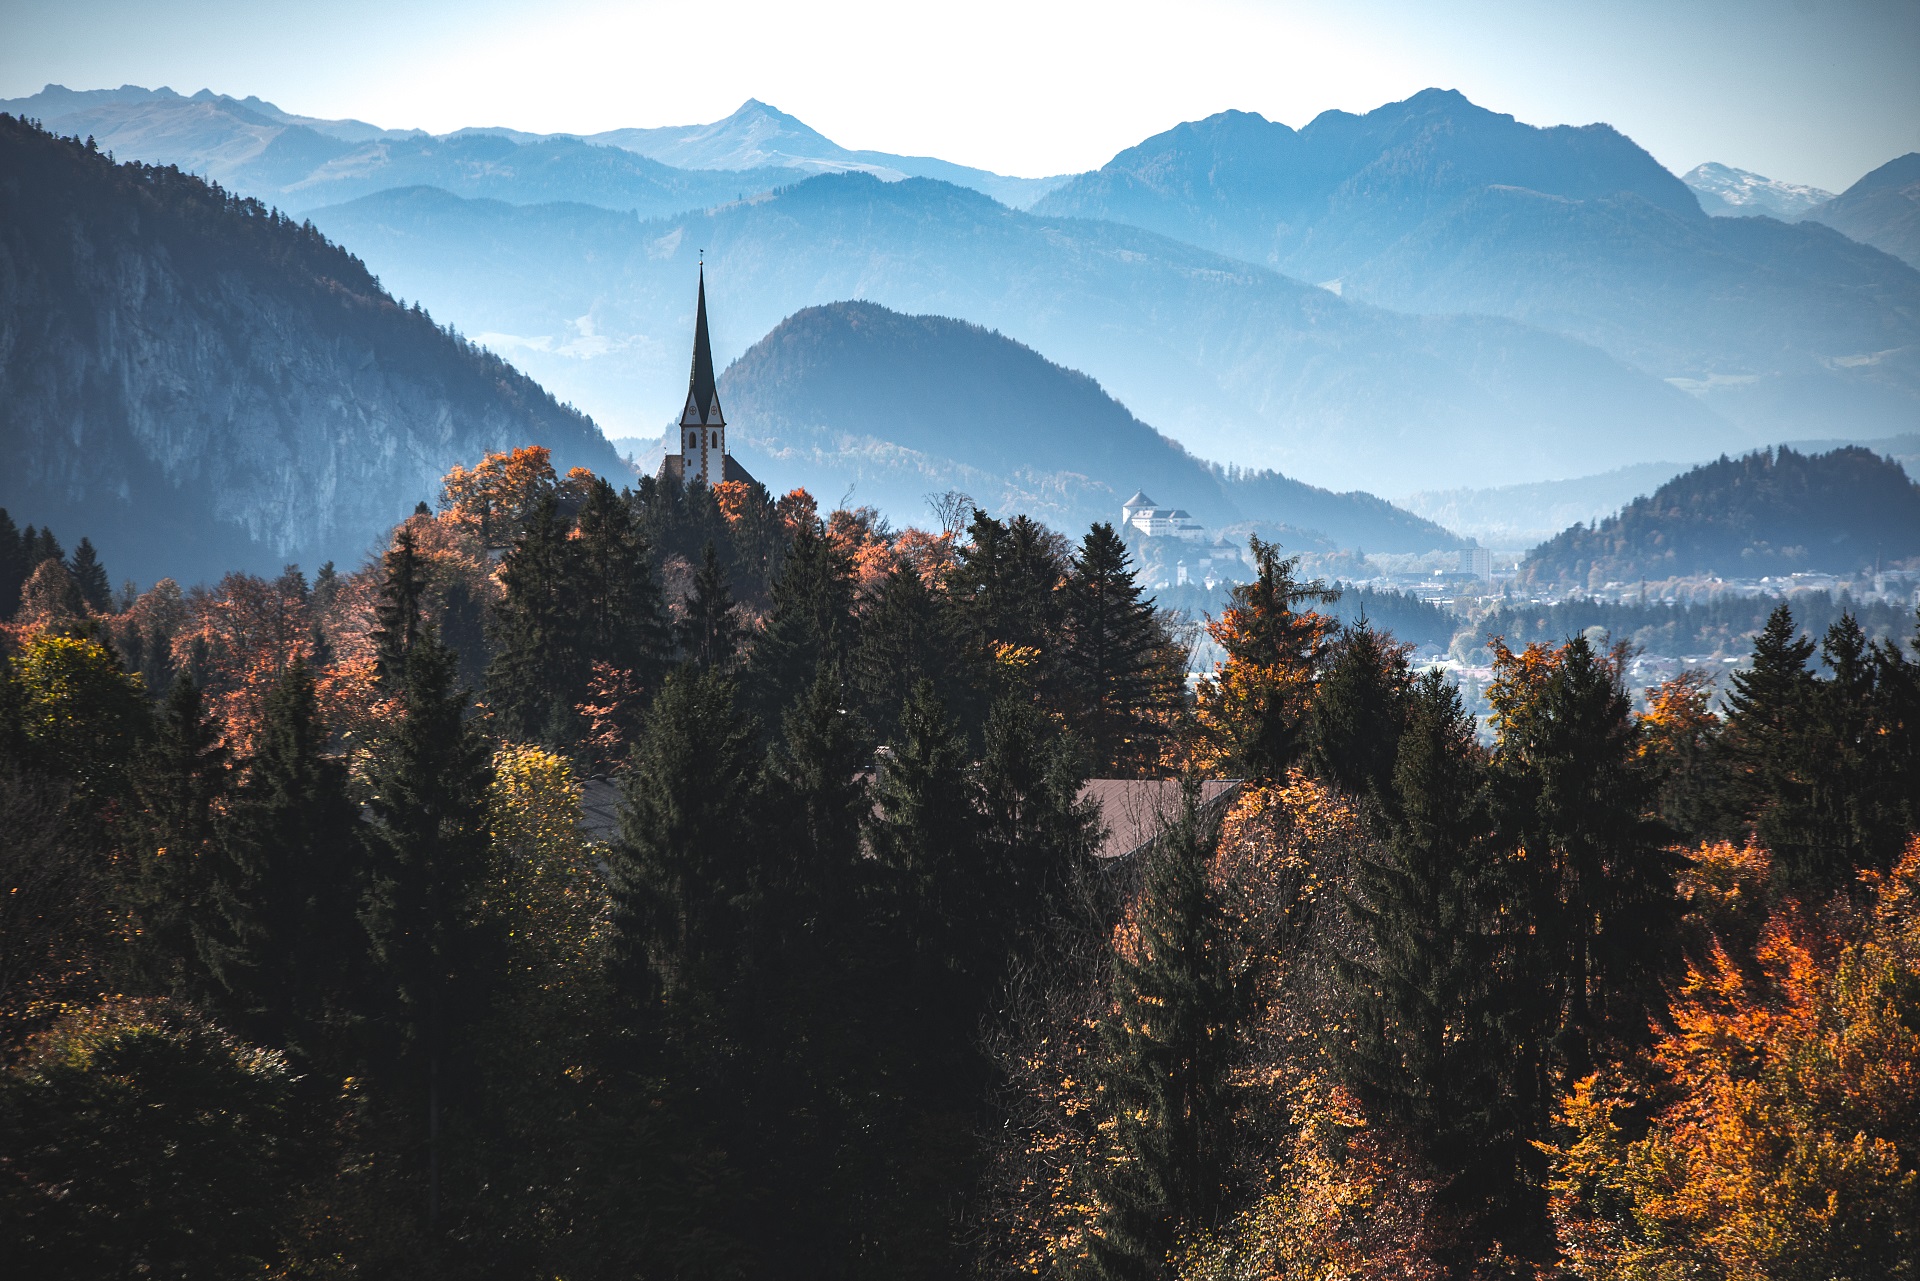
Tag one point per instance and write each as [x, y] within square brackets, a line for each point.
[1728, 192]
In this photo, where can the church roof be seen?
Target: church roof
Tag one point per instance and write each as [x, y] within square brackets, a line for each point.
[703, 401]
[1139, 499]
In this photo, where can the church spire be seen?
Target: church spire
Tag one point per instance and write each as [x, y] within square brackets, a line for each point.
[703, 404]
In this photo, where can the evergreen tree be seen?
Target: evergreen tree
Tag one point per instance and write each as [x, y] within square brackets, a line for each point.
[539, 671]
[1006, 586]
[13, 565]
[91, 577]
[398, 613]
[1358, 708]
[1256, 707]
[180, 781]
[1035, 834]
[1120, 664]
[1432, 1035]
[907, 638]
[430, 949]
[1576, 795]
[710, 633]
[1167, 1044]
[927, 834]
[684, 878]
[621, 619]
[42, 547]
[811, 622]
[286, 947]
[1770, 752]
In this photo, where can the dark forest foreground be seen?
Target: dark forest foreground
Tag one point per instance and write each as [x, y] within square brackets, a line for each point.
[308, 967]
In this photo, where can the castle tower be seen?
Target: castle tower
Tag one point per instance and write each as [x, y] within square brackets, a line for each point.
[703, 428]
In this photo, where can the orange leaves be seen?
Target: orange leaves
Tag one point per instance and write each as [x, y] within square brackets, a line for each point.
[493, 498]
[1790, 1143]
[237, 639]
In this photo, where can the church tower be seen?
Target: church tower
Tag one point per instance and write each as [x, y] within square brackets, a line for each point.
[703, 428]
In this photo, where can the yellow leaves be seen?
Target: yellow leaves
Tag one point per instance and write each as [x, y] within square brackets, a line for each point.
[1789, 1143]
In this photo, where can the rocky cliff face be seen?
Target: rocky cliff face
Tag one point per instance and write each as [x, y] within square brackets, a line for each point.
[203, 384]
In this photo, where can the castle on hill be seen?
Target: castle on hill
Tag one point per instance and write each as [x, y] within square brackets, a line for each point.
[1160, 522]
[702, 452]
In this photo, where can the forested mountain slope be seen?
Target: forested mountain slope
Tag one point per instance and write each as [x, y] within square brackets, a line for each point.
[206, 385]
[852, 396]
[1436, 205]
[1236, 362]
[1773, 512]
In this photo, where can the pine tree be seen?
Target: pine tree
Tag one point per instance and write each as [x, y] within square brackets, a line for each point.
[181, 778]
[539, 671]
[1167, 1044]
[1119, 661]
[1358, 708]
[1433, 1031]
[710, 633]
[1770, 752]
[430, 950]
[91, 577]
[287, 947]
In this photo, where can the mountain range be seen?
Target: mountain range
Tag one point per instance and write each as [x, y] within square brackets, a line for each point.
[1235, 361]
[201, 384]
[858, 400]
[302, 162]
[1435, 206]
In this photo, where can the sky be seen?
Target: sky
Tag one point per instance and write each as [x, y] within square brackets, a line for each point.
[1813, 91]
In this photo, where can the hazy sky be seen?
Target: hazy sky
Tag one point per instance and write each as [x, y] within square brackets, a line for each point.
[1815, 91]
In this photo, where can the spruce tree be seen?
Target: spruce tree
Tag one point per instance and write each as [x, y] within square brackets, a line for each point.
[1576, 795]
[13, 566]
[432, 955]
[286, 947]
[181, 779]
[811, 623]
[398, 614]
[539, 670]
[684, 880]
[710, 633]
[1167, 1044]
[1432, 1033]
[1035, 835]
[1119, 663]
[1358, 708]
[91, 577]
[1771, 753]
[1006, 587]
[907, 637]
[621, 621]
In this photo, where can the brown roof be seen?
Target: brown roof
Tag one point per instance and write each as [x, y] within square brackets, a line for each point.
[1134, 811]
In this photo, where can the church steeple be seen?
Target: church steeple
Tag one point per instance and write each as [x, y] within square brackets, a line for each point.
[703, 402]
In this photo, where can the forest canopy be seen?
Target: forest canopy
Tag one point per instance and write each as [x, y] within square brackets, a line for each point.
[310, 966]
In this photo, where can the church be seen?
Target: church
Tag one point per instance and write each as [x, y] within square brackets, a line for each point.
[703, 452]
